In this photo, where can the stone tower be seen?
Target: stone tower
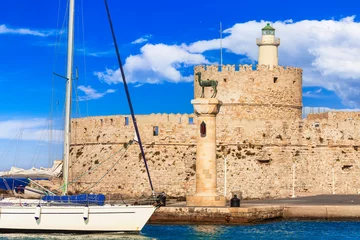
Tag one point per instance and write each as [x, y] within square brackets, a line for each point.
[268, 47]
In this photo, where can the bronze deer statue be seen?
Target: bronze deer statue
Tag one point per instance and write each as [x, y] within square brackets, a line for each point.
[207, 83]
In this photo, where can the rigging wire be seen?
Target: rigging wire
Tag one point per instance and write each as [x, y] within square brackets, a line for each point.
[83, 41]
[74, 82]
[38, 149]
[112, 167]
[52, 90]
[98, 165]
[75, 86]
[17, 147]
[11, 144]
[128, 96]
[57, 46]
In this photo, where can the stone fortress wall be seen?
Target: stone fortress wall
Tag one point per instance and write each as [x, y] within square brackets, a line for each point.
[269, 149]
[260, 153]
[255, 94]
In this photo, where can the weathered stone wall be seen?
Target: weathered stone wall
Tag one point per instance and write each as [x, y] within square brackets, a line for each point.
[259, 131]
[255, 94]
[98, 142]
[260, 155]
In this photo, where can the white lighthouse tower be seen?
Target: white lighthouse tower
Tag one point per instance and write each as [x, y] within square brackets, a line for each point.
[268, 47]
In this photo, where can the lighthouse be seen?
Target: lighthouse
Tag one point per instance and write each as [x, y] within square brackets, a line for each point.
[268, 47]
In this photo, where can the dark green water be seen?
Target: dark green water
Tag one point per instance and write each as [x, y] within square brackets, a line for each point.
[274, 230]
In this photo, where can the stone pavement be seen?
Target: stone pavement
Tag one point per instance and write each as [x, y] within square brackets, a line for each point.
[338, 200]
[325, 207]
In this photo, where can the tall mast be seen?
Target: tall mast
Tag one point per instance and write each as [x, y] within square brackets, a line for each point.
[68, 96]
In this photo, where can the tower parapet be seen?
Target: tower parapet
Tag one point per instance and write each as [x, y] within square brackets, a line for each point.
[263, 93]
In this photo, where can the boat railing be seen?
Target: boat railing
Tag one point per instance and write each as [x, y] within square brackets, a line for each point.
[18, 202]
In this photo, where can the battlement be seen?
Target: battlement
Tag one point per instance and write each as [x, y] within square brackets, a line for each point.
[246, 68]
[124, 120]
[246, 92]
[335, 115]
[318, 116]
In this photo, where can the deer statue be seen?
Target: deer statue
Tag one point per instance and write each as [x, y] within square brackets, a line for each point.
[207, 83]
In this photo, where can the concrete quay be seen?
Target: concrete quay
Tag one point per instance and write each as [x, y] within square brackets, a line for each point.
[215, 215]
[321, 207]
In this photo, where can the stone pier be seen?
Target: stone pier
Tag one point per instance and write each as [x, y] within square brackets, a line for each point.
[206, 172]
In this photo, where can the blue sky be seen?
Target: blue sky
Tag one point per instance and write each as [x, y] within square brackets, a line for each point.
[160, 42]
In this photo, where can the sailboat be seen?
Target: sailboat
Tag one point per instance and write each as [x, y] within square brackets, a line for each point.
[84, 212]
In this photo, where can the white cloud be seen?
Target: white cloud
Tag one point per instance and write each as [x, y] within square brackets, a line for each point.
[100, 54]
[24, 31]
[156, 63]
[142, 39]
[91, 93]
[29, 129]
[313, 94]
[327, 50]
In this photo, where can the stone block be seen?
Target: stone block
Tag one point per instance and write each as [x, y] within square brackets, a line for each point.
[206, 201]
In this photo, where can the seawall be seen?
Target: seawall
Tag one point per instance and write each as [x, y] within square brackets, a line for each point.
[262, 156]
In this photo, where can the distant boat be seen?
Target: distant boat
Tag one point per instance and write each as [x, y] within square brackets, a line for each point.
[21, 182]
[77, 213]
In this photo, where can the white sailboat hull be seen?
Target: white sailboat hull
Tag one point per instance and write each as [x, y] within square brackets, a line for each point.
[73, 218]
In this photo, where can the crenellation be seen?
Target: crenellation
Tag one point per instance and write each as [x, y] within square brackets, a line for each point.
[228, 68]
[260, 93]
[262, 68]
[212, 68]
[199, 68]
[246, 68]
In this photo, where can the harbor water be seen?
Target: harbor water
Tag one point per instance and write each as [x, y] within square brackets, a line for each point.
[272, 230]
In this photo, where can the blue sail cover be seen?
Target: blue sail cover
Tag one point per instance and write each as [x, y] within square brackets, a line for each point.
[91, 199]
[9, 183]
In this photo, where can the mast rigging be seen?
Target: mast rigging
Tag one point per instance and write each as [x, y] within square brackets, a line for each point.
[128, 96]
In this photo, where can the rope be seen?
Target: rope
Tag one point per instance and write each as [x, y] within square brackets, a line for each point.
[98, 165]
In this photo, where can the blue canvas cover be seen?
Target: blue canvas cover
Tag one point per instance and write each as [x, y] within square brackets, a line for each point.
[9, 183]
[83, 199]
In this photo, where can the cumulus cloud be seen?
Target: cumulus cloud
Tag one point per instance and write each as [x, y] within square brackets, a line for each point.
[29, 129]
[327, 50]
[142, 39]
[91, 93]
[155, 64]
[24, 31]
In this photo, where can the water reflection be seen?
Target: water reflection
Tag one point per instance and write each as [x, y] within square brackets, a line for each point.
[212, 231]
[105, 236]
